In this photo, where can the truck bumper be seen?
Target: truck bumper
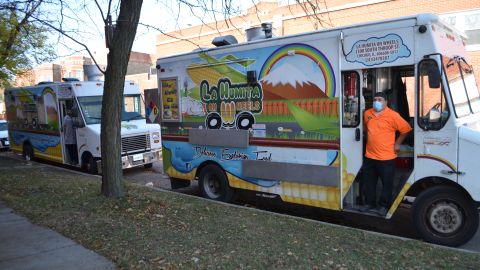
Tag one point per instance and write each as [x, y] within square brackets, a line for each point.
[135, 160]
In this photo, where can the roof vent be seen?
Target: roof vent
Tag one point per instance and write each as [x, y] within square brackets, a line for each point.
[70, 79]
[45, 82]
[224, 40]
[260, 32]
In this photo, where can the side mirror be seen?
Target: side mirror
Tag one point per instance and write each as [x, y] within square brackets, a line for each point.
[433, 77]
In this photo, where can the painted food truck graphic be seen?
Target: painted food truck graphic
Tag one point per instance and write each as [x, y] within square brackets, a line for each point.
[283, 117]
[36, 115]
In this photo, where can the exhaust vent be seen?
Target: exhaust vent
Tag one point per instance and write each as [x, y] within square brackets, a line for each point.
[224, 40]
[92, 72]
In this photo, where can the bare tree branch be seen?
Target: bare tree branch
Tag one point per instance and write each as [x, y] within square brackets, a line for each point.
[72, 39]
[101, 11]
[169, 35]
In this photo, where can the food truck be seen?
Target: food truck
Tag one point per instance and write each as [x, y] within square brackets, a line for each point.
[283, 117]
[35, 122]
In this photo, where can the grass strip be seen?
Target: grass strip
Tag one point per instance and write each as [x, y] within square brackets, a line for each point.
[150, 230]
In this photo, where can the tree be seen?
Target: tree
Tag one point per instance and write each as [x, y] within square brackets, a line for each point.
[120, 47]
[120, 37]
[22, 40]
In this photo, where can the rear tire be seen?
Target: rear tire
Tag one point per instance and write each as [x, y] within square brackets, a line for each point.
[28, 153]
[445, 216]
[213, 184]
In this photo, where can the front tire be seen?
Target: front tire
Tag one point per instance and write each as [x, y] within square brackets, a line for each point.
[90, 164]
[445, 216]
[213, 184]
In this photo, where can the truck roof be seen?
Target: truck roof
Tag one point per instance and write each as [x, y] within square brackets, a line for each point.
[421, 19]
[83, 88]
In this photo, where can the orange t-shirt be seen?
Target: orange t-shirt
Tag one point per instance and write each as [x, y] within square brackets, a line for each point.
[381, 133]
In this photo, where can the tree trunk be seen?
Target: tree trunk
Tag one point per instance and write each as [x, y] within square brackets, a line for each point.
[118, 56]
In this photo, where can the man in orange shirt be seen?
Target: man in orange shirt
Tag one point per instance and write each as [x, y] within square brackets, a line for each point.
[381, 124]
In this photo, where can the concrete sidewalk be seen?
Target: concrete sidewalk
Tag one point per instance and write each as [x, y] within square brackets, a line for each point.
[24, 245]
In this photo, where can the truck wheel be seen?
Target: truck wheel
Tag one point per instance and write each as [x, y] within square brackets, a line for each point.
[90, 165]
[213, 121]
[28, 152]
[245, 121]
[214, 184]
[443, 215]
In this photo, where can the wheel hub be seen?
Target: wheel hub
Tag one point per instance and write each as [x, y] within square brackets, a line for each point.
[212, 186]
[445, 217]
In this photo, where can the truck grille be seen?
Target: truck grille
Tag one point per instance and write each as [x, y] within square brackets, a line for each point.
[137, 143]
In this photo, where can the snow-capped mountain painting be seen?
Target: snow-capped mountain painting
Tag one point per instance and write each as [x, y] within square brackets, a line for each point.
[294, 79]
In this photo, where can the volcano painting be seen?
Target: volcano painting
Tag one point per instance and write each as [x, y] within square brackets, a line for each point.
[287, 81]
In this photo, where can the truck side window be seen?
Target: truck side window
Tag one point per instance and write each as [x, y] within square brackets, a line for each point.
[351, 99]
[433, 109]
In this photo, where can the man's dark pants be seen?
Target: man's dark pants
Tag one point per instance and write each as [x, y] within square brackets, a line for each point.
[373, 169]
[72, 153]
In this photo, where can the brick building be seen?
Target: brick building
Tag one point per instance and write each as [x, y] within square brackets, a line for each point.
[42, 73]
[294, 18]
[72, 66]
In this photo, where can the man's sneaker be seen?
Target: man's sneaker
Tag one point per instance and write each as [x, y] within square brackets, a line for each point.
[366, 208]
[381, 211]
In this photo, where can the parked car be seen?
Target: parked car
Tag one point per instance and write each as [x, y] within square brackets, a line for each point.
[4, 143]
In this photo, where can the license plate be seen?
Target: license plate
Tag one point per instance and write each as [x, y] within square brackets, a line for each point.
[137, 157]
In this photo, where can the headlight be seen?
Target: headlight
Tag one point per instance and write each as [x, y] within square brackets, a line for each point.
[156, 135]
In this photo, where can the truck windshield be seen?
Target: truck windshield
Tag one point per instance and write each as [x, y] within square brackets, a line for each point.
[92, 108]
[463, 87]
[3, 126]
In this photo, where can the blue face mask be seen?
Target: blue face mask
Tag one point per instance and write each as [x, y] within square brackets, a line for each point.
[377, 106]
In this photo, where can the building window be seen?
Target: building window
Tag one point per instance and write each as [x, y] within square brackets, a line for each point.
[469, 23]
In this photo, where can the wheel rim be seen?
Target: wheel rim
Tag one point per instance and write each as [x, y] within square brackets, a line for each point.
[212, 186]
[445, 217]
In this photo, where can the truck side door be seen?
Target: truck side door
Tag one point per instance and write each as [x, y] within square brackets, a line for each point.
[436, 137]
[351, 142]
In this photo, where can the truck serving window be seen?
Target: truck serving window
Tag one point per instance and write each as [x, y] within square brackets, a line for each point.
[433, 110]
[463, 87]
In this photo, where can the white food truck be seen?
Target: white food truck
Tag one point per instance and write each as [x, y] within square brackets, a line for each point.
[283, 117]
[35, 122]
